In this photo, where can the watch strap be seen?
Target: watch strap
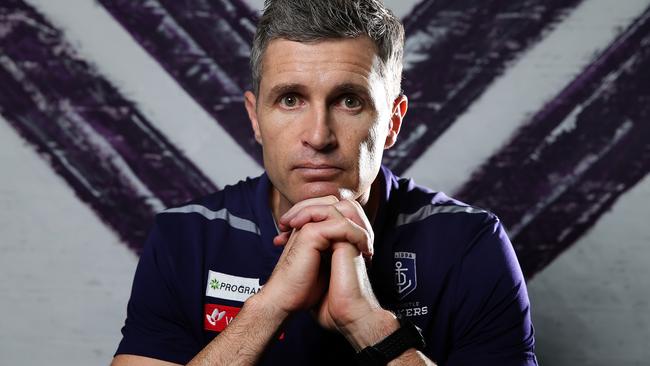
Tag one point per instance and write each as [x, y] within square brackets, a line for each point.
[407, 336]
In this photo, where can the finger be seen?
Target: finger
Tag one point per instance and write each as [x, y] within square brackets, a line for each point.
[315, 213]
[309, 237]
[327, 200]
[348, 208]
[353, 211]
[283, 227]
[347, 264]
[362, 235]
[344, 230]
[282, 238]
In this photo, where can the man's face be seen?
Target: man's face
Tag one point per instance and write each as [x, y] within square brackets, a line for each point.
[323, 118]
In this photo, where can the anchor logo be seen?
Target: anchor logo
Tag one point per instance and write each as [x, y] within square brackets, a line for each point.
[405, 275]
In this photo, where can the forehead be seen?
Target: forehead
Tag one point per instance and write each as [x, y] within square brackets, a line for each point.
[320, 64]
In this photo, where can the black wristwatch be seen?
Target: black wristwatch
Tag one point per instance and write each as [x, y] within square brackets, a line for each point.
[407, 336]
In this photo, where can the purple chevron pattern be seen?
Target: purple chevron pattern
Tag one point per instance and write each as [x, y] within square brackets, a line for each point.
[114, 158]
[205, 47]
[582, 151]
[550, 183]
[454, 50]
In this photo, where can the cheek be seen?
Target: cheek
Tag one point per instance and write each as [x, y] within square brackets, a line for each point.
[272, 134]
[374, 140]
[371, 149]
[274, 156]
[271, 149]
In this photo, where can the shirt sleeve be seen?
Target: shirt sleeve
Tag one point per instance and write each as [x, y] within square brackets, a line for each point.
[492, 323]
[156, 325]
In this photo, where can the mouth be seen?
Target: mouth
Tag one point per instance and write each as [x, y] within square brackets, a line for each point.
[315, 171]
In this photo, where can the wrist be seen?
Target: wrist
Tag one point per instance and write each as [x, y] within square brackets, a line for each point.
[261, 304]
[370, 329]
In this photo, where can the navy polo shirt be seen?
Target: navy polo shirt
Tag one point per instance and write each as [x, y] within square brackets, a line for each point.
[446, 266]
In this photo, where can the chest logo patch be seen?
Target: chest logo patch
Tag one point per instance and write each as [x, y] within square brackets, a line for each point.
[229, 287]
[218, 317]
[405, 276]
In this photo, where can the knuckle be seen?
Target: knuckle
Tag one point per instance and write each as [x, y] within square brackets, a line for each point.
[369, 237]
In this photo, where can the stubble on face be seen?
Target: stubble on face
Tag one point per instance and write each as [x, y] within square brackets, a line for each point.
[316, 141]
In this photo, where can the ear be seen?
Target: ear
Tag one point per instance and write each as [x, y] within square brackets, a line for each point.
[400, 106]
[250, 101]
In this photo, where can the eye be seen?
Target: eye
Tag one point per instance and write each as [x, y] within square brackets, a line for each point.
[351, 102]
[289, 101]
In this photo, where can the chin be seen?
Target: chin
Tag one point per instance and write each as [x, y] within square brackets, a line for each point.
[322, 189]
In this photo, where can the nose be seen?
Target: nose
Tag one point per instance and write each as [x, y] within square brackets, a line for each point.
[318, 133]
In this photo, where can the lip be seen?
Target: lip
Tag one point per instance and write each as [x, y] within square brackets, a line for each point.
[316, 171]
[315, 166]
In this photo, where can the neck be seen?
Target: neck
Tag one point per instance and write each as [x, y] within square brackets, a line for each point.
[372, 204]
[279, 204]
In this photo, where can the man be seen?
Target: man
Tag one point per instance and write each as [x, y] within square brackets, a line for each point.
[311, 262]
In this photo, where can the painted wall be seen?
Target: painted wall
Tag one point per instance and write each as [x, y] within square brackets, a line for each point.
[112, 110]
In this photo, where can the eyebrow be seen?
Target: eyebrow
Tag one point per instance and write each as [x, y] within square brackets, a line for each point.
[351, 89]
[281, 89]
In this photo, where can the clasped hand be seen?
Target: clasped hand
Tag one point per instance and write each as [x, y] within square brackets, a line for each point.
[322, 266]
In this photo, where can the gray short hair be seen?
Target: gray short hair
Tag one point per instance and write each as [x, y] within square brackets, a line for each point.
[314, 20]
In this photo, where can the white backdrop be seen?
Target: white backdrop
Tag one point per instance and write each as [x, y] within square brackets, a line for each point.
[66, 277]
